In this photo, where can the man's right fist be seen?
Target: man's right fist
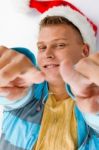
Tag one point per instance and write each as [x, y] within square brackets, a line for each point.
[17, 72]
[15, 66]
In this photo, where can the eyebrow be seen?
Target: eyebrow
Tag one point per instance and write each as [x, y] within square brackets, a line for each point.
[52, 40]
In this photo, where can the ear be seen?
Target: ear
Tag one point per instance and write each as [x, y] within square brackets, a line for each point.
[85, 50]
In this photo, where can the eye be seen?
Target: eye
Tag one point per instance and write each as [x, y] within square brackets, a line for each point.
[61, 45]
[41, 48]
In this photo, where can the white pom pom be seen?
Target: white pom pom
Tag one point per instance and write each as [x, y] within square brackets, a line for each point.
[21, 5]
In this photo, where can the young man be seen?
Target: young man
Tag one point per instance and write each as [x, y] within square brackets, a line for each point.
[44, 116]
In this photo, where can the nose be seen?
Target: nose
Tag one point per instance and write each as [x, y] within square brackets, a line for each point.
[49, 53]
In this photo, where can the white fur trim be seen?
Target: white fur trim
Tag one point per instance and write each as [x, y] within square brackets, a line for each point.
[22, 5]
[78, 20]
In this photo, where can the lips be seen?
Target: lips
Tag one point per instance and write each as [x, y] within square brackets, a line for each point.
[49, 66]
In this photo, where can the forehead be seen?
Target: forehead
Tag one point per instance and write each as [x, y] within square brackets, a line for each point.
[55, 31]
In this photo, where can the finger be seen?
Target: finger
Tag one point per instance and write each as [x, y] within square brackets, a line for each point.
[32, 75]
[4, 91]
[88, 105]
[13, 69]
[17, 93]
[76, 80]
[28, 78]
[19, 82]
[90, 69]
[13, 93]
[95, 58]
[3, 49]
[7, 57]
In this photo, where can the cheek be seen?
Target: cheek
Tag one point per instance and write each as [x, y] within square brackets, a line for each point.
[76, 56]
[39, 60]
[63, 55]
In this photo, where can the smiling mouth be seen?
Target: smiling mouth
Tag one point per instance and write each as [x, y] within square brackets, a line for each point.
[51, 66]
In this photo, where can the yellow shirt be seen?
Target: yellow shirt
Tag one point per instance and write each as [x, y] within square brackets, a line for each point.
[58, 128]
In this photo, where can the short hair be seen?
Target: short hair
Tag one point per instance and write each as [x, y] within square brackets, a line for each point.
[58, 20]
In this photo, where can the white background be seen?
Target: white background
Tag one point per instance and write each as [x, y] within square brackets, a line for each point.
[17, 28]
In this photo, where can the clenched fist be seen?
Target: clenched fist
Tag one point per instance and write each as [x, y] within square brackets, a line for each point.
[83, 79]
[17, 73]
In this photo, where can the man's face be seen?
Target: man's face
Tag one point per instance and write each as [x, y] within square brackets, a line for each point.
[56, 43]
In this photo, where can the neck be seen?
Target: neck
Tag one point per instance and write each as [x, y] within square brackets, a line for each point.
[58, 90]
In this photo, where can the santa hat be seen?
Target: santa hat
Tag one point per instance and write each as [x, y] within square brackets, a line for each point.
[62, 8]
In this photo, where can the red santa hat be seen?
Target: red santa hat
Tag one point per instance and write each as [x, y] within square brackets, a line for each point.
[62, 8]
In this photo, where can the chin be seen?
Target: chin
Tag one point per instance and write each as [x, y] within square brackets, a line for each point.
[53, 77]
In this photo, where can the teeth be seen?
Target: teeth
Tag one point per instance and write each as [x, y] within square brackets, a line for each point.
[51, 66]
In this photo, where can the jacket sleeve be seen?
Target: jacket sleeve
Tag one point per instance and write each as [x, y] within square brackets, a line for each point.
[92, 120]
[24, 100]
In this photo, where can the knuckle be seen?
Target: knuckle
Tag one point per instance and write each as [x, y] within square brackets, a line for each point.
[22, 58]
[82, 65]
[3, 47]
[84, 61]
[97, 55]
[94, 56]
[18, 57]
[6, 74]
[14, 53]
[25, 61]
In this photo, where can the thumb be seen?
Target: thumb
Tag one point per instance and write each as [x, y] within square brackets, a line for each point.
[77, 81]
[31, 76]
